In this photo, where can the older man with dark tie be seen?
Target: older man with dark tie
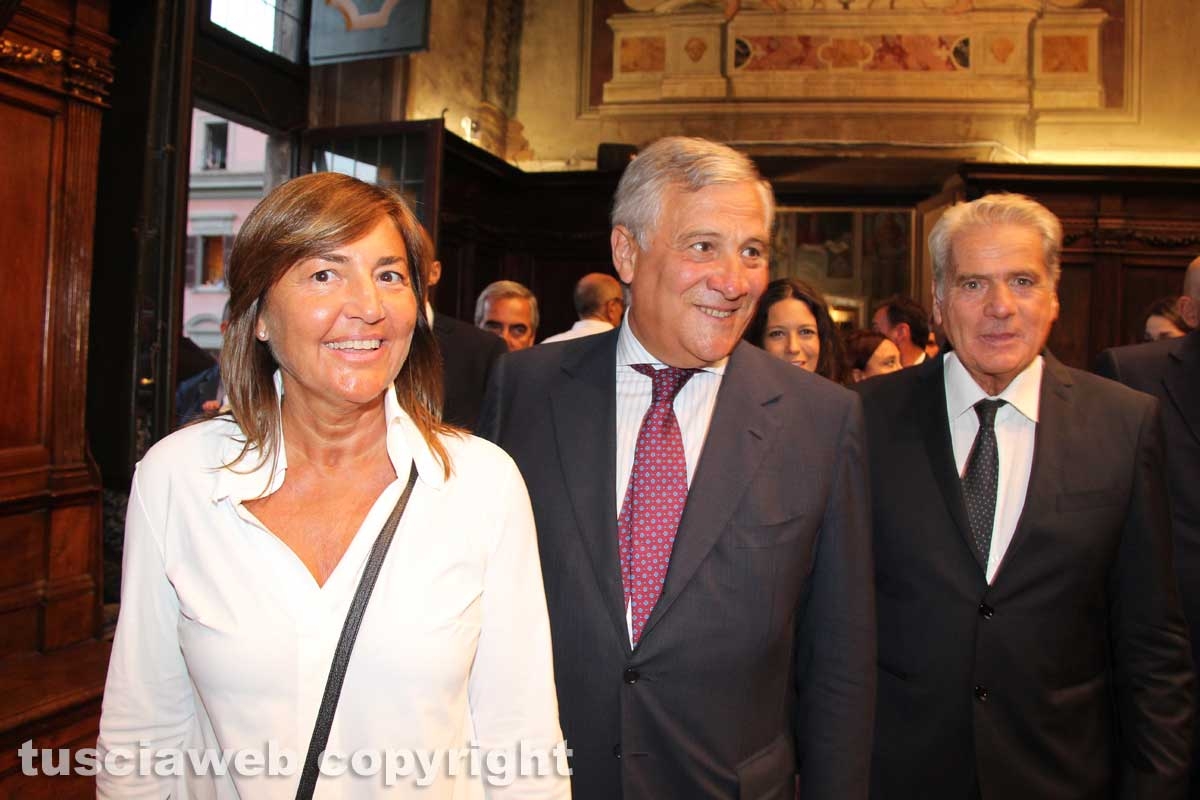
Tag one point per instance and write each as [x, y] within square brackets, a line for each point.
[1031, 642]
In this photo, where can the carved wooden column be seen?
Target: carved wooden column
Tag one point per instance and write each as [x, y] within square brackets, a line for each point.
[54, 78]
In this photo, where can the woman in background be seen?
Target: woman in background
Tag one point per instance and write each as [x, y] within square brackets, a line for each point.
[792, 322]
[870, 353]
[247, 536]
[1163, 321]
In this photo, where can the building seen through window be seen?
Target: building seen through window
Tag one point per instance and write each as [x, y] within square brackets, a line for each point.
[227, 175]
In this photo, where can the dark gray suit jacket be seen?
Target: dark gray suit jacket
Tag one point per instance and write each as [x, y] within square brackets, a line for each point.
[760, 654]
[1069, 676]
[468, 354]
[1170, 370]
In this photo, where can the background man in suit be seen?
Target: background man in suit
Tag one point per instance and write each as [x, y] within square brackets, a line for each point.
[1031, 643]
[906, 323]
[467, 358]
[600, 304]
[202, 394]
[1170, 370]
[509, 310]
[700, 514]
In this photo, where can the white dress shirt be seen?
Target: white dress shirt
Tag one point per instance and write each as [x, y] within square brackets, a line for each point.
[584, 327]
[693, 408]
[1016, 427]
[225, 640]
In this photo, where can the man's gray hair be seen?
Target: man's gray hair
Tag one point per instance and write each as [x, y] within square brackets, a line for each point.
[688, 163]
[498, 290]
[994, 209]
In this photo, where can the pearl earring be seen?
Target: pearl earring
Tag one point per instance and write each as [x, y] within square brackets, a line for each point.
[262, 335]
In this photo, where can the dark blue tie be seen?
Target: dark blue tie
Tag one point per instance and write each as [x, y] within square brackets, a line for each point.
[981, 479]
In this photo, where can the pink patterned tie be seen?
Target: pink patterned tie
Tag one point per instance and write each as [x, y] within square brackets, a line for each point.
[654, 499]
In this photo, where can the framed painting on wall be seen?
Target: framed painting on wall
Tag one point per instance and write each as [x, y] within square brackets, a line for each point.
[352, 30]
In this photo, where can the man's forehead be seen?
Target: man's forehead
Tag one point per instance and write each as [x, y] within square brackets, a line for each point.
[715, 198]
[521, 304]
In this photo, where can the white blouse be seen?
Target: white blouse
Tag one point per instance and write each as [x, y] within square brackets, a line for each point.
[225, 640]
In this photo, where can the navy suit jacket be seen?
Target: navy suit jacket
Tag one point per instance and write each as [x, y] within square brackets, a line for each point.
[759, 656]
[1069, 676]
[193, 393]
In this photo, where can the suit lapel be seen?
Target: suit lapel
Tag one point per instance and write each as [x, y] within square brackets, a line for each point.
[1051, 442]
[584, 414]
[1182, 381]
[935, 432]
[743, 425]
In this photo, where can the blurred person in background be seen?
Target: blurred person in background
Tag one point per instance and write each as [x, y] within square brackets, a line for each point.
[792, 322]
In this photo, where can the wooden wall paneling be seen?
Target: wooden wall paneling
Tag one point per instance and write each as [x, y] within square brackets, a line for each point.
[51, 662]
[1107, 290]
[1071, 337]
[544, 230]
[72, 730]
[1137, 228]
[71, 286]
[24, 542]
[32, 125]
[1143, 282]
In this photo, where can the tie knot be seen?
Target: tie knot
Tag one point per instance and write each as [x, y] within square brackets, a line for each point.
[667, 381]
[986, 411]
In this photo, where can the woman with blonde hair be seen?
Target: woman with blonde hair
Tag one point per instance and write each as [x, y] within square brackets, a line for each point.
[328, 576]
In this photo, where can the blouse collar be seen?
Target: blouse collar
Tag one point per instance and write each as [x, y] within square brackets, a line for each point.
[254, 477]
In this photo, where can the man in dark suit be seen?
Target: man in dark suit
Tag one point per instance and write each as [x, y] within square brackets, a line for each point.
[1169, 369]
[468, 354]
[700, 514]
[200, 393]
[906, 323]
[1031, 642]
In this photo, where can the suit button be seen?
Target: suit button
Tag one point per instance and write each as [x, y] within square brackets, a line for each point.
[981, 694]
[617, 750]
[986, 611]
[630, 676]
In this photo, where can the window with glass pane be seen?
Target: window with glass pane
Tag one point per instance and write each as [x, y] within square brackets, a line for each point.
[274, 25]
[216, 141]
[393, 160]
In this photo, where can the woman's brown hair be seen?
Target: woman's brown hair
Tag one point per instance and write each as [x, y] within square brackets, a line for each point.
[860, 345]
[303, 218]
[829, 359]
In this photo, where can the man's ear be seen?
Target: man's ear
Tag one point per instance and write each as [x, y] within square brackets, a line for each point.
[614, 313]
[937, 311]
[1189, 310]
[902, 332]
[435, 273]
[624, 252]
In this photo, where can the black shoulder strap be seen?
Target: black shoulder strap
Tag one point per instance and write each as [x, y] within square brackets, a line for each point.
[341, 656]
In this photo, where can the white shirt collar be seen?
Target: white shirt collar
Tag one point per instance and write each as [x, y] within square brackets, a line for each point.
[962, 392]
[252, 478]
[592, 324]
[630, 351]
